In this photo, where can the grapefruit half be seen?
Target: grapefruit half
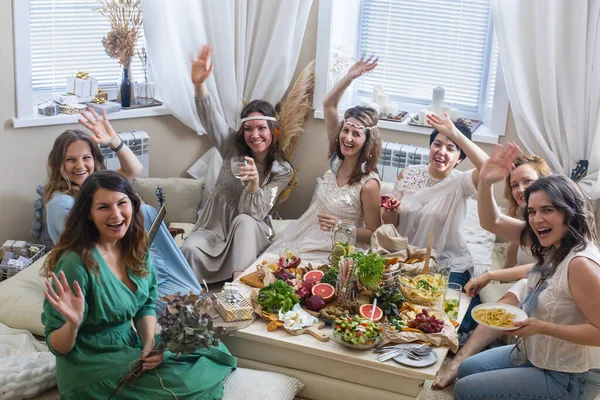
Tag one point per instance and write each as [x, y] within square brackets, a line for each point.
[314, 275]
[366, 310]
[325, 290]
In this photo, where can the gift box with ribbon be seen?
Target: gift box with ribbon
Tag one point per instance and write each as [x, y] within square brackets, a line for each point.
[109, 106]
[82, 85]
[68, 98]
[232, 305]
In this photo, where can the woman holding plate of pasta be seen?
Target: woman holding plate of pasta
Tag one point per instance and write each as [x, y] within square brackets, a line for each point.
[557, 355]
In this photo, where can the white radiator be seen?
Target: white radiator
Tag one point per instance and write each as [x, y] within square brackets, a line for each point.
[137, 141]
[397, 156]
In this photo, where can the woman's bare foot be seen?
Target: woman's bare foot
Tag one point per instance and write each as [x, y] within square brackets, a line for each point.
[236, 274]
[446, 375]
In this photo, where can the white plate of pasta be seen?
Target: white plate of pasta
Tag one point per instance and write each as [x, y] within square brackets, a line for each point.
[498, 316]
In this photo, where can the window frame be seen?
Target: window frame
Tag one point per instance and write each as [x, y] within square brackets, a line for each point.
[494, 119]
[26, 115]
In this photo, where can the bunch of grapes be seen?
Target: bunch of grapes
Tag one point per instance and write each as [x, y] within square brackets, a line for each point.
[426, 323]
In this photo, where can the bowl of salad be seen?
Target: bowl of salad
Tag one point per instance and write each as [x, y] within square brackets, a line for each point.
[356, 332]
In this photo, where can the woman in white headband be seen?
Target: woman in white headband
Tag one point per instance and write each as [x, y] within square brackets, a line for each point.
[231, 231]
[350, 189]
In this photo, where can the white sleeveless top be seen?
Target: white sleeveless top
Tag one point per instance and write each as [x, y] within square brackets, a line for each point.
[555, 305]
[429, 204]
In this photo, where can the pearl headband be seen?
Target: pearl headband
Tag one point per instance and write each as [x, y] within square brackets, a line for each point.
[259, 117]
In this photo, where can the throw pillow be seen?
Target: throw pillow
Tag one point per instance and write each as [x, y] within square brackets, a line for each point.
[253, 384]
[182, 196]
[22, 299]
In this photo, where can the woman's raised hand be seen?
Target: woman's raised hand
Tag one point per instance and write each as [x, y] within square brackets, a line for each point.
[361, 67]
[445, 126]
[69, 303]
[102, 129]
[499, 164]
[201, 66]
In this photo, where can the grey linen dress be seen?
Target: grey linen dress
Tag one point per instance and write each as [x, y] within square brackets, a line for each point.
[231, 232]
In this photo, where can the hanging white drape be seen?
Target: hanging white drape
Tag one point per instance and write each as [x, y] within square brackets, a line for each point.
[550, 52]
[256, 45]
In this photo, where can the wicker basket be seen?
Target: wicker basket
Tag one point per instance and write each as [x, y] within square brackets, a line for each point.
[6, 271]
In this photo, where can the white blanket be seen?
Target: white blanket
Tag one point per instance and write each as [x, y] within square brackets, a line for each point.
[26, 366]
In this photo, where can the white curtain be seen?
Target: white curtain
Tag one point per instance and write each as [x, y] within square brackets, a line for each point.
[256, 45]
[550, 52]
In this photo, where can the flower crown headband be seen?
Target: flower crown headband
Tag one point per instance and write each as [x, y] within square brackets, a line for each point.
[367, 128]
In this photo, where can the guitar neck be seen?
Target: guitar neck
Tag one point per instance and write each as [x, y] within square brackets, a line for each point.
[156, 223]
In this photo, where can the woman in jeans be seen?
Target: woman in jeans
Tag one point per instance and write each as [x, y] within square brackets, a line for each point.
[557, 355]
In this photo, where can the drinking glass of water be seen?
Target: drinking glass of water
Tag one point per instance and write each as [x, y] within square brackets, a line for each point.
[237, 163]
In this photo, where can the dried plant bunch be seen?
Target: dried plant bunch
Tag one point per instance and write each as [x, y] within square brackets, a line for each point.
[125, 17]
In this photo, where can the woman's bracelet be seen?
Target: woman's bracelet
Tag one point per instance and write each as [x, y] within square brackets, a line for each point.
[119, 147]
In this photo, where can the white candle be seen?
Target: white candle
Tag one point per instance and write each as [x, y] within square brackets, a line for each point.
[423, 115]
[382, 99]
[365, 103]
[392, 109]
[444, 109]
[376, 91]
[453, 113]
[375, 107]
[437, 99]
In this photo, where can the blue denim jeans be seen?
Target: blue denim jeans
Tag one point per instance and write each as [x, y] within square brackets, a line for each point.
[493, 374]
[468, 323]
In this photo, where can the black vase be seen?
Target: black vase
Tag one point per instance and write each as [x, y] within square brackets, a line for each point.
[126, 89]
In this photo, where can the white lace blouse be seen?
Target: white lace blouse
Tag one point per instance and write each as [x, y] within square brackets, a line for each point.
[555, 305]
[429, 204]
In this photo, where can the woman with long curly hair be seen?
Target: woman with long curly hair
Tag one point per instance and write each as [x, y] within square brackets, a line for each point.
[349, 191]
[557, 355]
[232, 229]
[100, 280]
[74, 157]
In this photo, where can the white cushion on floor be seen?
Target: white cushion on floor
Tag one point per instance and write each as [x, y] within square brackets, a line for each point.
[22, 299]
[250, 384]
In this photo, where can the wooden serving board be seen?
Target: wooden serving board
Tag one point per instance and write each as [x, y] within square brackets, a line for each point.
[313, 330]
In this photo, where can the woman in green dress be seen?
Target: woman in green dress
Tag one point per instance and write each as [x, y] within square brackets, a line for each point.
[102, 281]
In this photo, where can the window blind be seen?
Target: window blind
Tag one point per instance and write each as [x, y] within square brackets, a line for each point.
[422, 44]
[66, 37]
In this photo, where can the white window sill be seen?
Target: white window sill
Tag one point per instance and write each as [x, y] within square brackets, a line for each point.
[60, 119]
[483, 134]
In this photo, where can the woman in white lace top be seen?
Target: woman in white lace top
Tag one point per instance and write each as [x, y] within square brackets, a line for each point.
[350, 189]
[433, 198]
[558, 350]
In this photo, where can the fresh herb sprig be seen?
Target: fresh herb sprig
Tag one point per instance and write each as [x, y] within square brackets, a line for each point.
[370, 269]
[390, 299]
[277, 296]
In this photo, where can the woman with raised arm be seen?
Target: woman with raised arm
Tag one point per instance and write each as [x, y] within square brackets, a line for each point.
[101, 280]
[350, 188]
[433, 199]
[518, 262]
[557, 354]
[232, 232]
[74, 157]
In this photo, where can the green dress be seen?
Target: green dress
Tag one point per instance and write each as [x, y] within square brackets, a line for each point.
[107, 344]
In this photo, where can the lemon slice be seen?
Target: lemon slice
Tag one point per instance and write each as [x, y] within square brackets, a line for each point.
[338, 251]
